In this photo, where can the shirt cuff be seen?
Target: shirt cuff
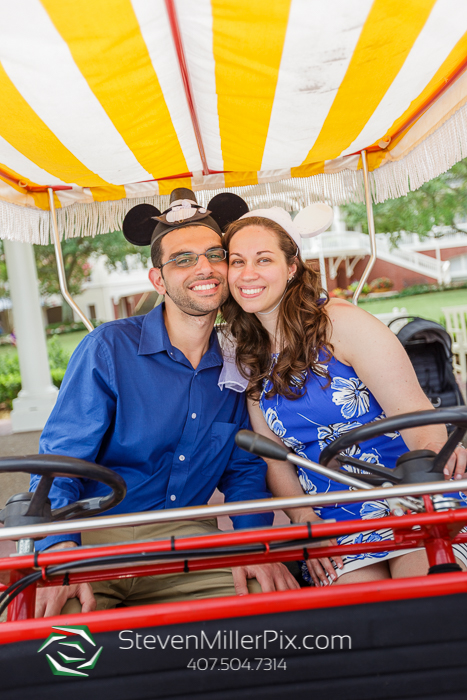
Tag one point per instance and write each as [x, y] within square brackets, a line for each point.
[47, 542]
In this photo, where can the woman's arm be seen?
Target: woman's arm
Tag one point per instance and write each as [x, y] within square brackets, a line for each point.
[282, 477]
[283, 481]
[381, 362]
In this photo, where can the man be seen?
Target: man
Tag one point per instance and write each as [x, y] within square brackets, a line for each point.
[141, 396]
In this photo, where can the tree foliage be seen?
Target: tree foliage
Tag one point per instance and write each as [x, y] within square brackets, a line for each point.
[440, 202]
[76, 255]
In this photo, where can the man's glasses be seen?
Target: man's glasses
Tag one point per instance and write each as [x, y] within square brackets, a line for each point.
[213, 255]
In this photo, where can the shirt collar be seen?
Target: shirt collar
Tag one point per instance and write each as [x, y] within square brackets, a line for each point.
[154, 339]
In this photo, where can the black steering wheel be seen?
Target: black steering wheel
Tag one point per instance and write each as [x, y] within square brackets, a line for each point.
[416, 466]
[34, 508]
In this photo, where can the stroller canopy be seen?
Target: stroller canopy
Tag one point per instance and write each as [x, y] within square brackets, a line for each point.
[429, 347]
[420, 329]
[115, 101]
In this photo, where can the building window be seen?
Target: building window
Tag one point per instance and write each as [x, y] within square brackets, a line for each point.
[92, 311]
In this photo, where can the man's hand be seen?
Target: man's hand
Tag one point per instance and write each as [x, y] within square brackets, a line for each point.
[271, 577]
[50, 601]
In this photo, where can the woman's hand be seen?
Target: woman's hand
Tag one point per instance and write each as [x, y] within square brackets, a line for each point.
[318, 568]
[456, 465]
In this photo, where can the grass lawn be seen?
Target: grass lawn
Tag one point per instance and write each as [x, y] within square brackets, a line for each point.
[424, 305]
[68, 341]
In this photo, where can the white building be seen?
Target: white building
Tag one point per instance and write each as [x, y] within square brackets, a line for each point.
[108, 295]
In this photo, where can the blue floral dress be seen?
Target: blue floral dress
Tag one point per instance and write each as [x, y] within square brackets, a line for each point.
[320, 416]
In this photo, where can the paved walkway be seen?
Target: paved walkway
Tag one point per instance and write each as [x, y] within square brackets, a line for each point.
[15, 445]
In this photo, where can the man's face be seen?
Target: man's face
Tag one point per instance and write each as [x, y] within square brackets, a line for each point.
[201, 288]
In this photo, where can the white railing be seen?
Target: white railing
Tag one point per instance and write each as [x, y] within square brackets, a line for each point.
[336, 243]
[431, 242]
[352, 243]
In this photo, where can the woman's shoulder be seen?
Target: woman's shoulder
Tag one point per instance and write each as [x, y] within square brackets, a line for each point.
[342, 314]
[344, 320]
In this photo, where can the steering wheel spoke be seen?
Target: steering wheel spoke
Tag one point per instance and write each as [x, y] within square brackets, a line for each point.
[40, 496]
[416, 466]
[448, 448]
[378, 473]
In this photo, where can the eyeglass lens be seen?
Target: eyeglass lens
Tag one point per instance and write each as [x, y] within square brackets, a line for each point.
[214, 255]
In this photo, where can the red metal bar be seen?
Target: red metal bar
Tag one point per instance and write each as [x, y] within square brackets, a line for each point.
[448, 82]
[23, 607]
[179, 567]
[32, 188]
[429, 102]
[241, 606]
[400, 525]
[177, 38]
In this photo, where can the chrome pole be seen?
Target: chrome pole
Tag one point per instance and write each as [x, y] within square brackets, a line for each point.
[238, 508]
[371, 231]
[61, 267]
[330, 473]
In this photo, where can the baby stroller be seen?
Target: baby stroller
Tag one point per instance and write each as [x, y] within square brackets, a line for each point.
[428, 345]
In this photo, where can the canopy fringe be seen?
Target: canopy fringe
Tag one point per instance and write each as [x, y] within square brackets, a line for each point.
[25, 224]
[437, 153]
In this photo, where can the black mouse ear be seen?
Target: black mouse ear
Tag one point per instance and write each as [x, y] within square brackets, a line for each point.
[227, 207]
[139, 225]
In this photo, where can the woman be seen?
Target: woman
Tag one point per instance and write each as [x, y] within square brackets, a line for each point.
[318, 367]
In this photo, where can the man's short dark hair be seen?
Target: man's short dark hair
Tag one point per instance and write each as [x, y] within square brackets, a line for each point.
[156, 252]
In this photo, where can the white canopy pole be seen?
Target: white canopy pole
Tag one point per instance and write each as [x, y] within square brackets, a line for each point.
[38, 395]
[61, 267]
[322, 265]
[371, 231]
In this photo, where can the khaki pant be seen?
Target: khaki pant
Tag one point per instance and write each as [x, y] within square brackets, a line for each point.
[166, 588]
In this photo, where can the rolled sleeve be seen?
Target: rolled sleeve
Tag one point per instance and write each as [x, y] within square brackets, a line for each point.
[82, 414]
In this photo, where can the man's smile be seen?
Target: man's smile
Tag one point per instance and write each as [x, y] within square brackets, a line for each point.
[204, 287]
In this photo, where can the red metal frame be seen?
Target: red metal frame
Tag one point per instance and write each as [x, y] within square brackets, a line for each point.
[177, 38]
[241, 606]
[436, 531]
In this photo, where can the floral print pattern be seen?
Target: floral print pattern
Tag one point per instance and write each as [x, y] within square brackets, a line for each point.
[352, 395]
[374, 509]
[274, 423]
[329, 433]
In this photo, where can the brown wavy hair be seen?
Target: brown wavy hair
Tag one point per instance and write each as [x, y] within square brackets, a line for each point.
[302, 326]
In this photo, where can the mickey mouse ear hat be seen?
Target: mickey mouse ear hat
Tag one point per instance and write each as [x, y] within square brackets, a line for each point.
[144, 224]
[309, 222]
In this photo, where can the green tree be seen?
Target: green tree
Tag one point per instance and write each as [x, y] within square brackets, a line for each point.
[76, 255]
[440, 202]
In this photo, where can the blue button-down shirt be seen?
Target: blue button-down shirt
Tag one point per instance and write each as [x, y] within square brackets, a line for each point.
[132, 401]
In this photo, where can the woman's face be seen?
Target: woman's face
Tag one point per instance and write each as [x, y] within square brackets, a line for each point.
[258, 270]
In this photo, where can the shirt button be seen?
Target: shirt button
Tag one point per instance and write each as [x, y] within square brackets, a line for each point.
[193, 415]
[173, 498]
[182, 458]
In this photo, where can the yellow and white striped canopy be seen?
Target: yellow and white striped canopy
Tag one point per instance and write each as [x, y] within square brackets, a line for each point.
[112, 102]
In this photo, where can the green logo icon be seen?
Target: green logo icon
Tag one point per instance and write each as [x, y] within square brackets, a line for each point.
[71, 646]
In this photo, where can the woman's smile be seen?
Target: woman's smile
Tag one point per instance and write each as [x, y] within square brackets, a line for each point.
[251, 291]
[258, 272]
